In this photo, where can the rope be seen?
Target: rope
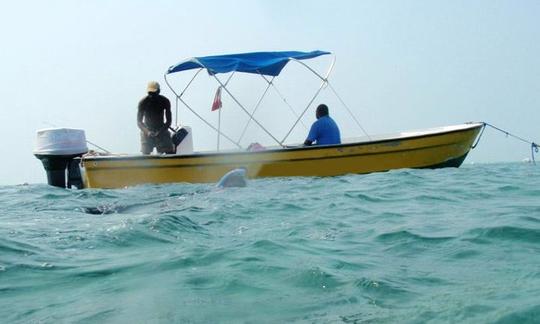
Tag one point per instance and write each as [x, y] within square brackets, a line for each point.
[245, 110]
[207, 123]
[349, 110]
[303, 112]
[254, 110]
[534, 146]
[107, 151]
[284, 99]
[479, 136]
[179, 98]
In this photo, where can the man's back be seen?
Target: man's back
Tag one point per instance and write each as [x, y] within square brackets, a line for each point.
[325, 132]
[153, 108]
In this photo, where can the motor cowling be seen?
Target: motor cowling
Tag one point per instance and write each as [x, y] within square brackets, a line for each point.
[60, 149]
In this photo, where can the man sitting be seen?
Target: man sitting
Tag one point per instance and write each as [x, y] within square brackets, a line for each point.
[324, 131]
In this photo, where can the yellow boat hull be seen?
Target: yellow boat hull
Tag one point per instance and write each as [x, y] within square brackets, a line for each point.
[445, 147]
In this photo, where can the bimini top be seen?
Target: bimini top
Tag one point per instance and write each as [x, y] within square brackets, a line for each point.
[267, 63]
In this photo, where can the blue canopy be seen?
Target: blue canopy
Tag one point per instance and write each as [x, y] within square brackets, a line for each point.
[267, 63]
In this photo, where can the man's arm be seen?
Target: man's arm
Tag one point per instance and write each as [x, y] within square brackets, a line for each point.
[312, 136]
[168, 115]
[140, 116]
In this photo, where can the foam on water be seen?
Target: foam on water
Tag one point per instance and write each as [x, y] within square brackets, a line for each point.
[448, 245]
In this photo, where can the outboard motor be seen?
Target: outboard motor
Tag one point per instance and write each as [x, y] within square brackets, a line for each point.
[59, 149]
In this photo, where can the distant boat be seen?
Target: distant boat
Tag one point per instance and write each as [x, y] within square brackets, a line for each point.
[430, 148]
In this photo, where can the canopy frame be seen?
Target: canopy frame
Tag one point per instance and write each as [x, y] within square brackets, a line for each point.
[324, 83]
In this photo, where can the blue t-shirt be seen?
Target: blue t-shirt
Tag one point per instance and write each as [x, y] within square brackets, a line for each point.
[324, 132]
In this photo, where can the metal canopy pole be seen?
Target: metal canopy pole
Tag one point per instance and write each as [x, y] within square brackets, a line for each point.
[335, 92]
[245, 110]
[176, 112]
[283, 98]
[179, 97]
[270, 83]
[219, 128]
[219, 115]
[207, 123]
[182, 93]
[349, 110]
[256, 107]
[324, 81]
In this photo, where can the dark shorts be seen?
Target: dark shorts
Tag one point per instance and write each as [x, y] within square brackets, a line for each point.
[162, 142]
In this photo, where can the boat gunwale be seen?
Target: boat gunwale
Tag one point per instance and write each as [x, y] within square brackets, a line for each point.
[255, 162]
[467, 127]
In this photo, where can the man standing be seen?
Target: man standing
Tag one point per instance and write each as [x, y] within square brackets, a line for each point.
[150, 118]
[325, 130]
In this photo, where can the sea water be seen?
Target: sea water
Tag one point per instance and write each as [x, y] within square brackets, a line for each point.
[405, 246]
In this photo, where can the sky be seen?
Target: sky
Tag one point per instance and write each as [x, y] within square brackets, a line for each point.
[400, 65]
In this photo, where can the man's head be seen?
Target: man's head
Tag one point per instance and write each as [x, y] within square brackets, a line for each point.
[322, 110]
[152, 87]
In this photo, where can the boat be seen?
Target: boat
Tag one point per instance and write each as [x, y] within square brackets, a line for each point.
[437, 147]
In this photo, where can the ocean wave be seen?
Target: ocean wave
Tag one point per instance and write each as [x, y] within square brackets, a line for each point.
[531, 219]
[364, 197]
[13, 247]
[314, 278]
[523, 316]
[268, 246]
[505, 233]
[196, 258]
[172, 224]
[102, 271]
[404, 236]
[164, 229]
[384, 292]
